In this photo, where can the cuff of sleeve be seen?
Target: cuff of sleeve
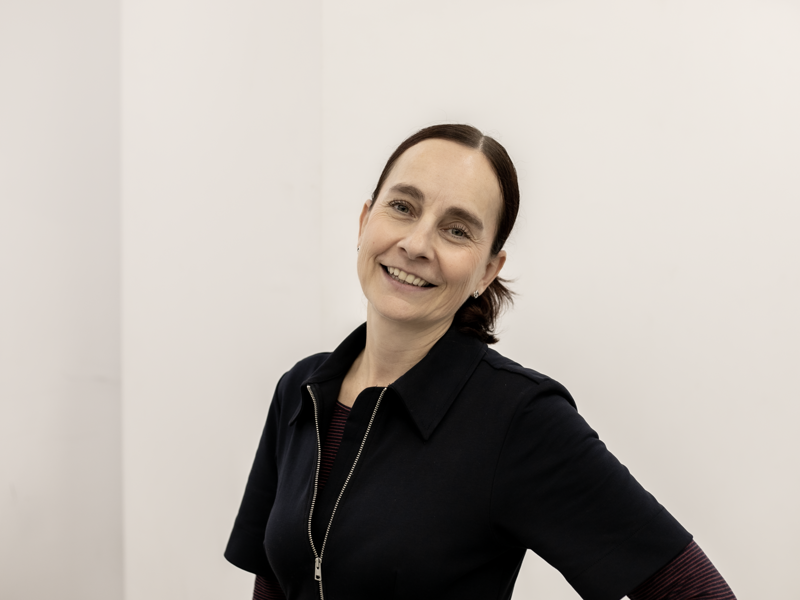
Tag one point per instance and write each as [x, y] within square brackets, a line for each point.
[247, 552]
[630, 563]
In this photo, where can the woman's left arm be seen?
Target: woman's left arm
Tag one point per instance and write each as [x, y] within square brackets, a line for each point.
[688, 575]
[558, 491]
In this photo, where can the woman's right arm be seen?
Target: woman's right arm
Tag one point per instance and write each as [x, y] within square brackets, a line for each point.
[246, 544]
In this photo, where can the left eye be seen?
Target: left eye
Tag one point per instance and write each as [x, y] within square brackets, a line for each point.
[400, 207]
[457, 232]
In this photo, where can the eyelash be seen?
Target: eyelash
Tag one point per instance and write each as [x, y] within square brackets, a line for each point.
[397, 204]
[462, 229]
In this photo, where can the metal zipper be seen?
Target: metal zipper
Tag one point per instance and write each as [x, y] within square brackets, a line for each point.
[318, 557]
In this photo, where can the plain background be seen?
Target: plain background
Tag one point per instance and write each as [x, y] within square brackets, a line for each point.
[180, 184]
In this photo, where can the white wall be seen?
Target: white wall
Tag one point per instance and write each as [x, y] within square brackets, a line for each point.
[222, 119]
[656, 256]
[60, 494]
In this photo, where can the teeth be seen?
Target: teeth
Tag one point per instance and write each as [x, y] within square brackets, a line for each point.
[406, 277]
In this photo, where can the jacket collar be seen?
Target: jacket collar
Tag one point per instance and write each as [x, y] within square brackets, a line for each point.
[427, 390]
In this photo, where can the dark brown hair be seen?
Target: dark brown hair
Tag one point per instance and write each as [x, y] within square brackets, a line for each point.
[477, 316]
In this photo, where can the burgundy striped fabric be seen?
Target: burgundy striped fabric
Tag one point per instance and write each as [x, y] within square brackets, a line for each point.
[269, 589]
[688, 575]
[332, 440]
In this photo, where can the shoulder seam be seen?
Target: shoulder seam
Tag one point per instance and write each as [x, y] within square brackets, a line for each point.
[525, 372]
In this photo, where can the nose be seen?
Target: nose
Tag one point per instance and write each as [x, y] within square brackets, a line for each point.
[418, 242]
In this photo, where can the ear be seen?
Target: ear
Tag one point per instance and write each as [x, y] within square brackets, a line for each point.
[362, 220]
[493, 268]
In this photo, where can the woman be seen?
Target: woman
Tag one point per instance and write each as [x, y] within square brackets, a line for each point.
[450, 460]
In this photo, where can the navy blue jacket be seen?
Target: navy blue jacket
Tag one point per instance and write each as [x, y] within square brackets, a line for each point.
[471, 460]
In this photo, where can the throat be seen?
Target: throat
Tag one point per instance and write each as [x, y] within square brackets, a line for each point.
[392, 348]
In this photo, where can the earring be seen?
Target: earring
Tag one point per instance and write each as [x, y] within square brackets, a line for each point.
[475, 294]
[358, 248]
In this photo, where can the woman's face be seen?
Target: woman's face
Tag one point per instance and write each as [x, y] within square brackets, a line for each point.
[425, 244]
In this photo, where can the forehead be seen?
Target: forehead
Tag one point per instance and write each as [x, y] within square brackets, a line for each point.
[450, 172]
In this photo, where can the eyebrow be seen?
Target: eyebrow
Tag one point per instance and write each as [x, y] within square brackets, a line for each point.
[409, 190]
[453, 211]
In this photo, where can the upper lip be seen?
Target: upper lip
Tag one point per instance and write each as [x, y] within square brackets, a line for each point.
[410, 273]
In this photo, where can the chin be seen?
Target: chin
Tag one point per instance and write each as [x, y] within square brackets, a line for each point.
[398, 314]
[394, 309]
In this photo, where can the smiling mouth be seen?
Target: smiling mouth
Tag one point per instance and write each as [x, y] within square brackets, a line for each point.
[407, 278]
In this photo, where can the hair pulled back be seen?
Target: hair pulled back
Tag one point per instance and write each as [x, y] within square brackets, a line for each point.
[477, 316]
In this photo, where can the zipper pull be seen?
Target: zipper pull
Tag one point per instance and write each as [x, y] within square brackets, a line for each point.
[318, 569]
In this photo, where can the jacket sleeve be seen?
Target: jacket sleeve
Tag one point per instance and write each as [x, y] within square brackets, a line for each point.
[561, 493]
[246, 544]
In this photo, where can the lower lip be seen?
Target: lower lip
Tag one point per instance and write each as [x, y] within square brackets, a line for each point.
[406, 287]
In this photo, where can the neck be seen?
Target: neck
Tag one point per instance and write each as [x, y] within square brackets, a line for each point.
[392, 348]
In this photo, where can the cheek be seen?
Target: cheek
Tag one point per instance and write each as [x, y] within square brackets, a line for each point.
[464, 272]
[376, 231]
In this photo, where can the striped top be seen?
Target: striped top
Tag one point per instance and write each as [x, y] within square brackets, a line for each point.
[688, 575]
[332, 440]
